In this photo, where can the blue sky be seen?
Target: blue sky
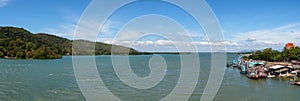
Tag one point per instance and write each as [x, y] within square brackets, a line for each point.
[246, 24]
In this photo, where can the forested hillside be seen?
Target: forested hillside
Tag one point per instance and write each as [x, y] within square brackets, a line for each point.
[20, 43]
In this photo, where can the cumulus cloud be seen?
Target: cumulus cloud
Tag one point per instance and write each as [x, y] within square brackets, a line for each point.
[218, 43]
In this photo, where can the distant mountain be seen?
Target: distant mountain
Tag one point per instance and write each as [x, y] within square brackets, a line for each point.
[20, 43]
[248, 51]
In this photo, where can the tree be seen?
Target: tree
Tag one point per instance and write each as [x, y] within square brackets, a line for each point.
[20, 55]
[29, 55]
[1, 54]
[273, 55]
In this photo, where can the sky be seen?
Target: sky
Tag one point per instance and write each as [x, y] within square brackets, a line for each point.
[156, 26]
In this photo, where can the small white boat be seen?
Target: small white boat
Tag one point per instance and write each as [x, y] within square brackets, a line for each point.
[271, 76]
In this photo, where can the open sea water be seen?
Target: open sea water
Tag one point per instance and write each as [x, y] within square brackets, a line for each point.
[54, 80]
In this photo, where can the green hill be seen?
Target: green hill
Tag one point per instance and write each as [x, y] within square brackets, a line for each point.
[20, 43]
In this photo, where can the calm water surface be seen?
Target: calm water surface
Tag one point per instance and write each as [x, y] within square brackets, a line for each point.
[44, 80]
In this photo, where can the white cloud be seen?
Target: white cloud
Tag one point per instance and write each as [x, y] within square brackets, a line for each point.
[227, 43]
[87, 30]
[286, 26]
[250, 40]
[272, 43]
[279, 34]
[169, 45]
[4, 2]
[64, 30]
[274, 38]
[129, 35]
[143, 43]
[190, 34]
[109, 27]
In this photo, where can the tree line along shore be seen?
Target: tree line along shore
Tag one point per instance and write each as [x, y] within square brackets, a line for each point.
[288, 54]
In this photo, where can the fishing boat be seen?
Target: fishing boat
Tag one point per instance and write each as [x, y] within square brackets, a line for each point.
[294, 79]
[234, 63]
[252, 75]
[262, 75]
[243, 69]
[237, 62]
[297, 83]
[271, 76]
[251, 64]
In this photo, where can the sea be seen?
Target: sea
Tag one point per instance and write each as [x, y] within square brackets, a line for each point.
[55, 80]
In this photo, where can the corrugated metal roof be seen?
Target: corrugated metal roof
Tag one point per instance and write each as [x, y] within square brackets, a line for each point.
[296, 66]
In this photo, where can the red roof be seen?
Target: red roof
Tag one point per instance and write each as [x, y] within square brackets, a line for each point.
[289, 45]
